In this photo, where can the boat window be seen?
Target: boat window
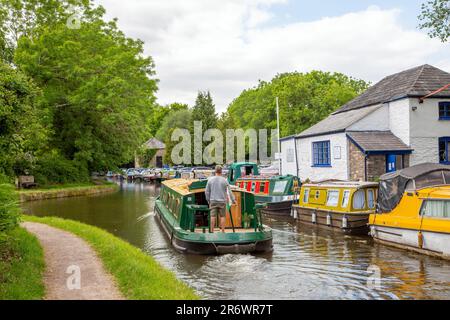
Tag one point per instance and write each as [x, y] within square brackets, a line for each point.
[262, 187]
[345, 198]
[332, 198]
[359, 200]
[431, 179]
[253, 186]
[306, 196]
[280, 186]
[436, 208]
[371, 198]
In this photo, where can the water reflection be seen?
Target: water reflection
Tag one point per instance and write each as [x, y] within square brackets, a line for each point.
[306, 263]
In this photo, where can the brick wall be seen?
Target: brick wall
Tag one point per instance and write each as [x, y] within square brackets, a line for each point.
[356, 165]
[376, 167]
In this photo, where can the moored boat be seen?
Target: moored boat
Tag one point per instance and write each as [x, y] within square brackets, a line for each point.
[183, 212]
[278, 193]
[414, 210]
[338, 205]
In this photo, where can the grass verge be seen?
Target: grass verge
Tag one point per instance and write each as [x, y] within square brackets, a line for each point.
[64, 191]
[21, 267]
[138, 276]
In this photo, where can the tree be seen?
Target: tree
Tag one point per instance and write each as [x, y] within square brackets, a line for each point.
[435, 17]
[159, 115]
[21, 129]
[29, 18]
[204, 110]
[97, 87]
[305, 99]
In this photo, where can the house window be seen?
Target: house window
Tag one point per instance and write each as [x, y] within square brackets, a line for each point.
[444, 150]
[444, 111]
[321, 154]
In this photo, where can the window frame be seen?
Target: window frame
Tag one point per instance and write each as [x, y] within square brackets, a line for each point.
[321, 146]
[349, 192]
[306, 195]
[446, 106]
[328, 197]
[422, 207]
[446, 141]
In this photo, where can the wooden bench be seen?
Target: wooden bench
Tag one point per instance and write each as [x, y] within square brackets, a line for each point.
[26, 182]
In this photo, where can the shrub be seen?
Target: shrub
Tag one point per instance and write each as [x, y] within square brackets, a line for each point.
[52, 168]
[9, 208]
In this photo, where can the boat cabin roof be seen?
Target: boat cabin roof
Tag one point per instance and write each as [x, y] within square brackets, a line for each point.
[189, 186]
[342, 184]
[436, 193]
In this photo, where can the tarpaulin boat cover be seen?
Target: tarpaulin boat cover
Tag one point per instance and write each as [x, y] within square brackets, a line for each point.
[393, 185]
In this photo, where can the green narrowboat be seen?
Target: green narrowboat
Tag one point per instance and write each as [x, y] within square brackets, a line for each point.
[184, 215]
[277, 192]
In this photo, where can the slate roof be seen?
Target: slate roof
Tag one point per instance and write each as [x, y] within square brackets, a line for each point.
[416, 82]
[338, 122]
[154, 143]
[377, 141]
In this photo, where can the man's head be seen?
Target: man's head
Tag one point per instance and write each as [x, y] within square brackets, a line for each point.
[218, 170]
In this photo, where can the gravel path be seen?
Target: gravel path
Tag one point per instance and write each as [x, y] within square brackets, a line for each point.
[73, 269]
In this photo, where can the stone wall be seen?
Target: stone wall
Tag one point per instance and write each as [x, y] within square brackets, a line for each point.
[376, 167]
[355, 163]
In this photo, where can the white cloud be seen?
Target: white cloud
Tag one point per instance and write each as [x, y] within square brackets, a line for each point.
[227, 46]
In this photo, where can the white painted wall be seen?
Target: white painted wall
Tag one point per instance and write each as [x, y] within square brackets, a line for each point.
[288, 163]
[426, 129]
[339, 167]
[375, 121]
[399, 121]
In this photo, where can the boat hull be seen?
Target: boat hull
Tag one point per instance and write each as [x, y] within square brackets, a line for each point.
[433, 243]
[182, 240]
[356, 224]
[283, 208]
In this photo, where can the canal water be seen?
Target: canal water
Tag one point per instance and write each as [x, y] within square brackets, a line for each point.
[306, 263]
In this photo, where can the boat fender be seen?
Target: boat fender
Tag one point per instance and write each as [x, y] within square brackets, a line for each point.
[328, 219]
[314, 217]
[345, 222]
[420, 239]
[373, 232]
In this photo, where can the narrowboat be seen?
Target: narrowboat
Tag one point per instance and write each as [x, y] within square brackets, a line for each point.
[184, 214]
[414, 210]
[278, 193]
[337, 205]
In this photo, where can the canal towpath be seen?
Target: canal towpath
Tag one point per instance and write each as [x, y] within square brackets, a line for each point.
[73, 269]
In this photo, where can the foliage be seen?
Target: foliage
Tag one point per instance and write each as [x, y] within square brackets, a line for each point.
[28, 18]
[9, 208]
[160, 113]
[97, 88]
[435, 17]
[21, 131]
[138, 275]
[305, 99]
[145, 156]
[204, 110]
[21, 267]
[52, 168]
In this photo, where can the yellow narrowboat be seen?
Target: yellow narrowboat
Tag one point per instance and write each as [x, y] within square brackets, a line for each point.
[414, 210]
[337, 205]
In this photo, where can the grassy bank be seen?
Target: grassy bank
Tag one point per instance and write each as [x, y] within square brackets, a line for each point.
[21, 266]
[66, 190]
[138, 275]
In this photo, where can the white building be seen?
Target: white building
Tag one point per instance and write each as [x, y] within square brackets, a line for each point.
[403, 120]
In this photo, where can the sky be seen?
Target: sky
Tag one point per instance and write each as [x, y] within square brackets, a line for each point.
[226, 46]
